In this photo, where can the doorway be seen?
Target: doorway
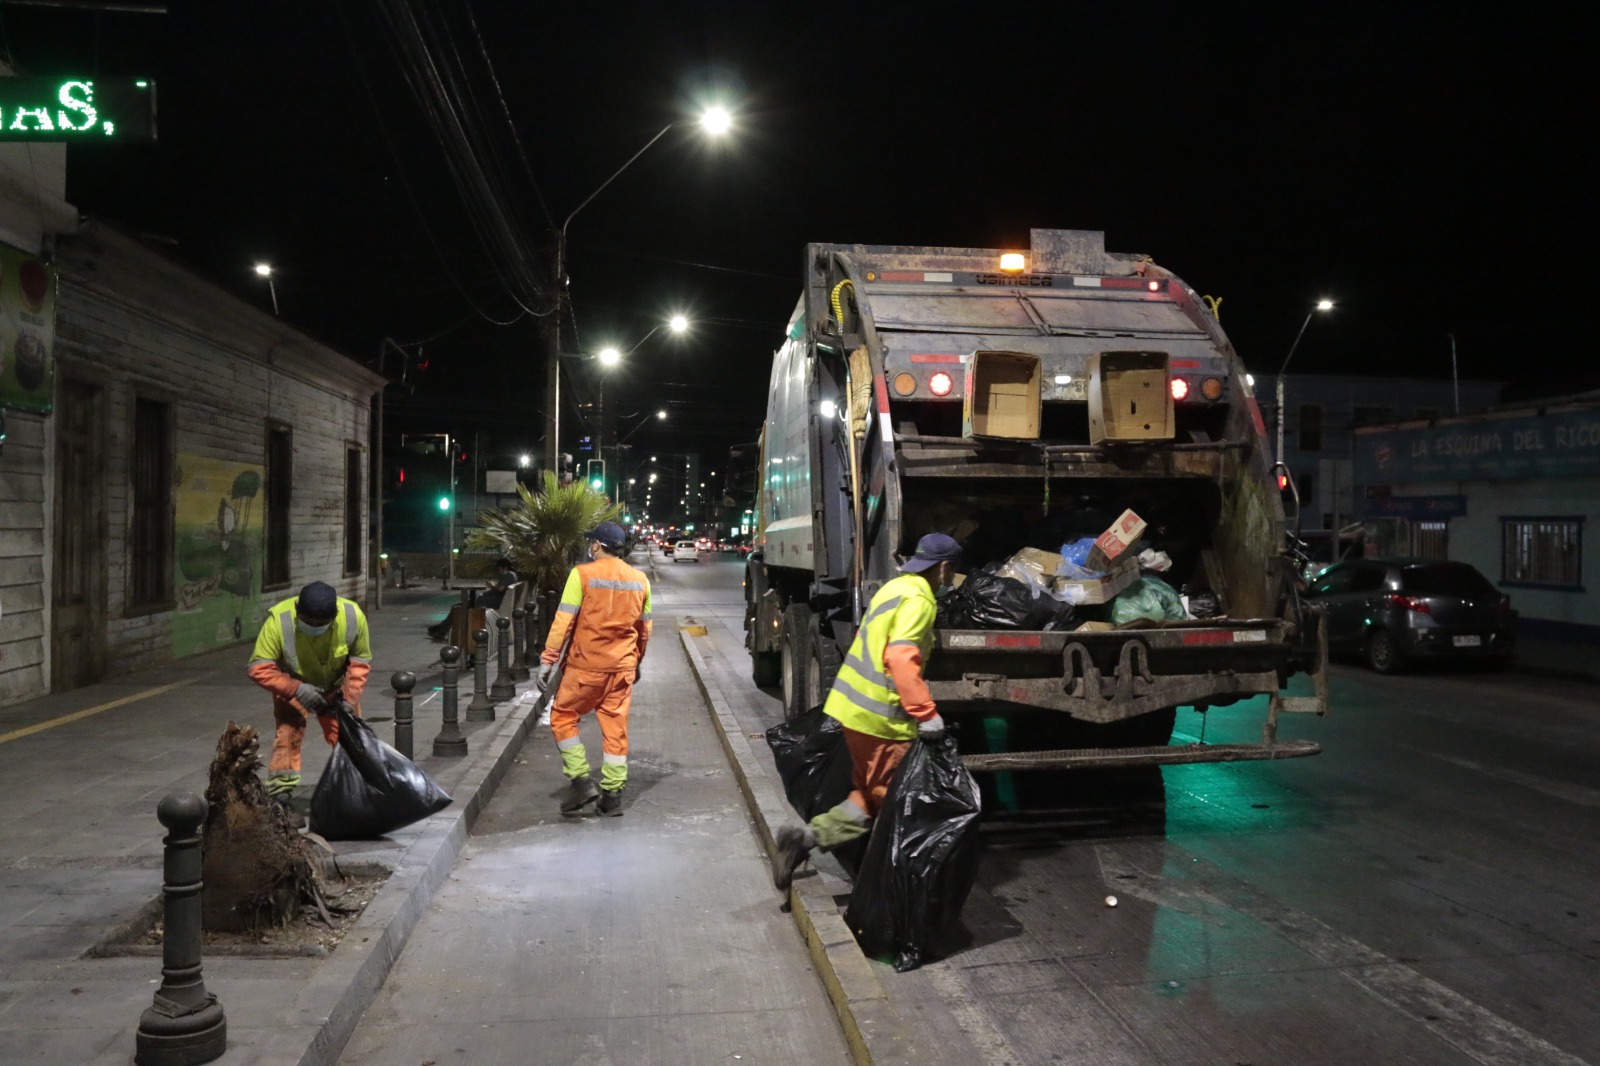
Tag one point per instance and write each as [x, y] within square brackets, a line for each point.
[78, 598]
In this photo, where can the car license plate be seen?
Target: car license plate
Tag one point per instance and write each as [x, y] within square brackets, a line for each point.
[1467, 642]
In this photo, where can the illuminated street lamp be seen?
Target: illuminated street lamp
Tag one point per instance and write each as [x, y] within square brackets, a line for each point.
[1321, 305]
[265, 270]
[715, 121]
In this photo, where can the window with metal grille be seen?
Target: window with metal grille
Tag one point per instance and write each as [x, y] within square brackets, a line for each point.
[352, 511]
[150, 528]
[1542, 552]
[1431, 540]
[1311, 427]
[280, 489]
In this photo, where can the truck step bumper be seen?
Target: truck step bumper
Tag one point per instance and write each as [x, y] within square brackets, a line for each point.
[1093, 758]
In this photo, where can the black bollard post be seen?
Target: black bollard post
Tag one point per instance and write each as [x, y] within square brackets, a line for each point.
[481, 709]
[402, 683]
[185, 1025]
[519, 659]
[503, 689]
[450, 742]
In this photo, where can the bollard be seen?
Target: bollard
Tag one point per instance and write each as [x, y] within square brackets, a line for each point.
[450, 742]
[481, 709]
[519, 659]
[402, 683]
[185, 1025]
[503, 688]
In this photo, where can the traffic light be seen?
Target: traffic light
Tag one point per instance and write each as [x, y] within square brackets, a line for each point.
[444, 503]
[597, 474]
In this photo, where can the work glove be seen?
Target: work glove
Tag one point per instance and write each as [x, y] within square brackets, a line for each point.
[311, 698]
[932, 729]
[546, 670]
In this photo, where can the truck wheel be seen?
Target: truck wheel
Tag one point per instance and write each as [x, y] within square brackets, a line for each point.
[825, 660]
[766, 668]
[798, 642]
[1383, 653]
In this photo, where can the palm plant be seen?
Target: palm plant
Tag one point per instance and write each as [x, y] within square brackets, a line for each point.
[543, 536]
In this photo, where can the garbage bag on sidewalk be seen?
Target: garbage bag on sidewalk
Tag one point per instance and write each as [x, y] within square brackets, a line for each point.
[369, 789]
[812, 760]
[921, 860]
[989, 600]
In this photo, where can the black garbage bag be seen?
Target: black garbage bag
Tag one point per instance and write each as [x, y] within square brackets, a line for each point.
[812, 760]
[987, 600]
[369, 789]
[921, 860]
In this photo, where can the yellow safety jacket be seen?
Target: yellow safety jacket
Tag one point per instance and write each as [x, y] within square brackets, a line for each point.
[284, 656]
[879, 690]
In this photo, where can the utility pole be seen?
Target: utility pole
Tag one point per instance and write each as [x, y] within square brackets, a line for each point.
[550, 340]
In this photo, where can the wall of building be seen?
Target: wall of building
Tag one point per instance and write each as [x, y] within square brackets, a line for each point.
[132, 324]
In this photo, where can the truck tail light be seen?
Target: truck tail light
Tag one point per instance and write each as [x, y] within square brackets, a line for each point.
[1180, 388]
[941, 384]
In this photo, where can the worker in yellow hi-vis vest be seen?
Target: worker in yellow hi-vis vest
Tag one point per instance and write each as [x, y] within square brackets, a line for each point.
[881, 700]
[606, 609]
[309, 648]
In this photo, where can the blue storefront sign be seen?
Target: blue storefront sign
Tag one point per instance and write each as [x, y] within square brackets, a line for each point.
[1556, 444]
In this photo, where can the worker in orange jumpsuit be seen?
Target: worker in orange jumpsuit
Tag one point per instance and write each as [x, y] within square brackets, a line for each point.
[606, 610]
[310, 647]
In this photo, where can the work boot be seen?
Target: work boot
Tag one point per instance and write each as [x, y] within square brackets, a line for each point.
[580, 793]
[793, 847]
[611, 803]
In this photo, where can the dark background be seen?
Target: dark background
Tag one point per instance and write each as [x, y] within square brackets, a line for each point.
[1433, 174]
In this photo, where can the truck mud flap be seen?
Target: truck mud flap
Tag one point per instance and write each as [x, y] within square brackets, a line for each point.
[1101, 758]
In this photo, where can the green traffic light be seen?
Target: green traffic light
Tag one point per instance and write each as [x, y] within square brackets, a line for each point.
[597, 484]
[444, 503]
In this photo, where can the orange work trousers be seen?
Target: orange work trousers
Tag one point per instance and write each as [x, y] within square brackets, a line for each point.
[873, 761]
[608, 695]
[291, 733]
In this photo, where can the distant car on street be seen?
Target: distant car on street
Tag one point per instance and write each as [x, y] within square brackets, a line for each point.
[1391, 611]
[685, 552]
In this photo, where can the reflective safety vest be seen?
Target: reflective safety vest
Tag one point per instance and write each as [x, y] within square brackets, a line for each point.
[863, 696]
[318, 660]
[606, 607]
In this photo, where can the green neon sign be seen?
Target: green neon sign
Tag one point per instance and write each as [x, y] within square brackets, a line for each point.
[78, 110]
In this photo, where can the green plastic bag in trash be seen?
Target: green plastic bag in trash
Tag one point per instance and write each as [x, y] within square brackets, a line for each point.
[1148, 597]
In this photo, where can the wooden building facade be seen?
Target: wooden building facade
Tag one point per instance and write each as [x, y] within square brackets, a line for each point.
[200, 461]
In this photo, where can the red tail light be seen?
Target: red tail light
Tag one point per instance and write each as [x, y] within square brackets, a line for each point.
[1180, 388]
[941, 384]
[1410, 603]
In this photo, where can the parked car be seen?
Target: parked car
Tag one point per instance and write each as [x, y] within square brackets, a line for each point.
[1391, 611]
[685, 552]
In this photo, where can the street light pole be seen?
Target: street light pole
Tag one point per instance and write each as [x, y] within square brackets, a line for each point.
[715, 121]
[1321, 305]
[265, 270]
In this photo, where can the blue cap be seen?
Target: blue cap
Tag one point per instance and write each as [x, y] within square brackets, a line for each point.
[317, 600]
[609, 534]
[932, 550]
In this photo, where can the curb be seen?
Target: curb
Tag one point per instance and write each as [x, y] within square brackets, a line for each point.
[341, 990]
[873, 1030]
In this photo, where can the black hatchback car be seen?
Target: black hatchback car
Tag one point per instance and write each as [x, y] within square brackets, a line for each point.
[1393, 610]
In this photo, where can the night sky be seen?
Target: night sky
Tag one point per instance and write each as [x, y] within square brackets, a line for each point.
[1432, 174]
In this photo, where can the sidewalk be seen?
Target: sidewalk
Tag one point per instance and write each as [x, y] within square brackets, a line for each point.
[1568, 660]
[80, 850]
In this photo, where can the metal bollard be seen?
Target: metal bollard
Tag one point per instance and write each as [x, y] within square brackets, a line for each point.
[450, 742]
[402, 683]
[481, 709]
[519, 659]
[503, 688]
[185, 1025]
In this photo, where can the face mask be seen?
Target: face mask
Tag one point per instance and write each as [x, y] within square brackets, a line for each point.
[311, 631]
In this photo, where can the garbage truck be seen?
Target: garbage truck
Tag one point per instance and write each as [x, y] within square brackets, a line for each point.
[1023, 400]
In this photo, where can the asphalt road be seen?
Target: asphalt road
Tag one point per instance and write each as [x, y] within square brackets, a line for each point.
[1425, 891]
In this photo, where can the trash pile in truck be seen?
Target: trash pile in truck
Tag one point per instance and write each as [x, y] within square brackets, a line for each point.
[1093, 583]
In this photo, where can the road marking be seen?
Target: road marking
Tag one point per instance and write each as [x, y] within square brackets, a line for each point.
[1584, 797]
[40, 727]
[1478, 1033]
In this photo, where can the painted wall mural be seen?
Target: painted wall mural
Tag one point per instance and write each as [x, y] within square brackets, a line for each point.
[218, 534]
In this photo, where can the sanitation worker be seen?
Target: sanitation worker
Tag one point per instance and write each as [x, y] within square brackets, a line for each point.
[606, 610]
[310, 648]
[881, 700]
